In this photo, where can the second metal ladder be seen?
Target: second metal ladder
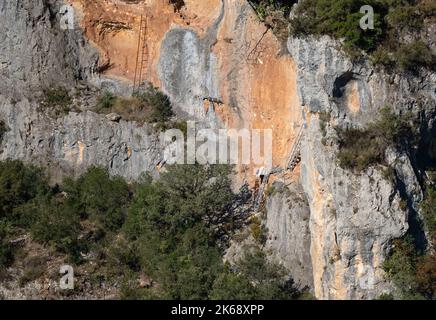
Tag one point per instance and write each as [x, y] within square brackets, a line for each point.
[141, 65]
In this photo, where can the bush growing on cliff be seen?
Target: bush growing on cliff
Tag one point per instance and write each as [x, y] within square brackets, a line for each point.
[392, 20]
[400, 268]
[361, 148]
[264, 7]
[53, 215]
[158, 103]
[106, 101]
[426, 275]
[150, 105]
[412, 272]
[57, 99]
[56, 223]
[129, 108]
[178, 224]
[339, 19]
[428, 207]
[274, 13]
[254, 277]
[411, 57]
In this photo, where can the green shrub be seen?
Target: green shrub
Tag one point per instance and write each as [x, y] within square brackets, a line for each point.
[100, 198]
[428, 208]
[18, 185]
[361, 148]
[123, 255]
[268, 279]
[426, 275]
[274, 13]
[6, 249]
[106, 101]
[129, 108]
[392, 20]
[258, 230]
[411, 57]
[130, 290]
[386, 296]
[339, 19]
[57, 99]
[404, 17]
[232, 286]
[254, 277]
[158, 104]
[412, 272]
[383, 56]
[265, 7]
[150, 105]
[56, 223]
[400, 268]
[175, 223]
[410, 16]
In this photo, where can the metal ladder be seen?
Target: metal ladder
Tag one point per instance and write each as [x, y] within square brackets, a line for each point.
[260, 194]
[294, 159]
[295, 156]
[141, 56]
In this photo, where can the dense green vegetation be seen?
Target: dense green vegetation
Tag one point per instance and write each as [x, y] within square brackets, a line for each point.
[158, 104]
[339, 19]
[361, 148]
[393, 19]
[53, 215]
[150, 105]
[412, 271]
[172, 230]
[429, 212]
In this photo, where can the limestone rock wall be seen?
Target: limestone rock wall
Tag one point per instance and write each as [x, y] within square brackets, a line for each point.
[223, 68]
[287, 221]
[72, 143]
[354, 217]
[35, 52]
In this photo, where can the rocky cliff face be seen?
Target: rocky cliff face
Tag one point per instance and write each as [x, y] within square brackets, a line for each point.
[72, 143]
[35, 52]
[331, 228]
[353, 217]
[287, 221]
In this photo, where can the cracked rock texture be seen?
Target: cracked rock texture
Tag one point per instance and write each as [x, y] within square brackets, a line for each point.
[287, 221]
[72, 143]
[35, 52]
[354, 217]
[331, 228]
